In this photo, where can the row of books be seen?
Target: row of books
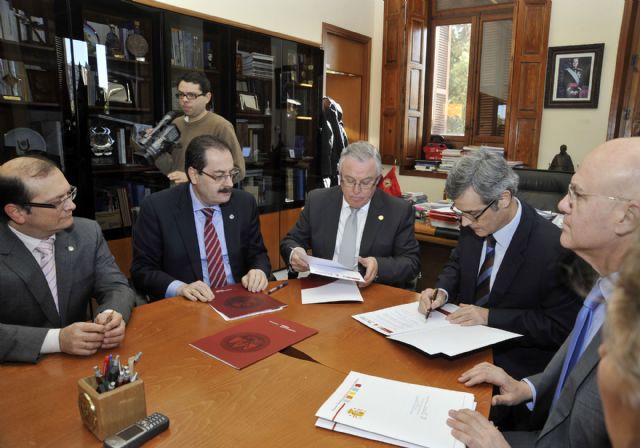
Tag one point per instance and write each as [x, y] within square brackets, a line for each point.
[257, 64]
[118, 206]
[186, 49]
[18, 26]
[249, 138]
[259, 185]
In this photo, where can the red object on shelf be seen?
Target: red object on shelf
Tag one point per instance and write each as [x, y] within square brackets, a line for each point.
[433, 151]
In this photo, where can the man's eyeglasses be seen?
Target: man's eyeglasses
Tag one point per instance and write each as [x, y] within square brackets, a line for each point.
[471, 216]
[233, 175]
[70, 196]
[189, 95]
[574, 195]
[365, 184]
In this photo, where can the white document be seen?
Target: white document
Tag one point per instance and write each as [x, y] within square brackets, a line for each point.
[406, 324]
[330, 268]
[336, 291]
[394, 412]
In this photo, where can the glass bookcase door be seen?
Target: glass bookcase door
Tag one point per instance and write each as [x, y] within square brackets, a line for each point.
[32, 112]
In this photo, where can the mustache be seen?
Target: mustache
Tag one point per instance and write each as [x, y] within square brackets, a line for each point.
[225, 190]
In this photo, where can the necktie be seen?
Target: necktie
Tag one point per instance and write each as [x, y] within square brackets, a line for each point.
[578, 336]
[347, 255]
[484, 276]
[47, 263]
[217, 276]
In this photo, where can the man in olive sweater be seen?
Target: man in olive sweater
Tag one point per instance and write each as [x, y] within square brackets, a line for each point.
[194, 94]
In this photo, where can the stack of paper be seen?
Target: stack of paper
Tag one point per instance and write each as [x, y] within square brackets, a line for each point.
[330, 268]
[393, 412]
[406, 324]
[322, 290]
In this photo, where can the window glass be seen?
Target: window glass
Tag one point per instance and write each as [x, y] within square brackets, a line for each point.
[443, 5]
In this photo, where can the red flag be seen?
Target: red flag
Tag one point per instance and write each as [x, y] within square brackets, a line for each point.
[389, 183]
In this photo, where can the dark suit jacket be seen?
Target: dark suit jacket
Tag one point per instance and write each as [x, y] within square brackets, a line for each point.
[388, 233]
[577, 419]
[528, 297]
[165, 242]
[84, 268]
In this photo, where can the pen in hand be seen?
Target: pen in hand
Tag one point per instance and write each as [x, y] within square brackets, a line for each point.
[275, 288]
[431, 300]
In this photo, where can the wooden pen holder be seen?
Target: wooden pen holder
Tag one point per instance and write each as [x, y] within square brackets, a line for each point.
[108, 412]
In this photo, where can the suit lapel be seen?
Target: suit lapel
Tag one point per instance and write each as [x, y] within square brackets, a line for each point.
[514, 256]
[332, 213]
[373, 222]
[469, 265]
[585, 365]
[230, 218]
[18, 259]
[186, 225]
[64, 270]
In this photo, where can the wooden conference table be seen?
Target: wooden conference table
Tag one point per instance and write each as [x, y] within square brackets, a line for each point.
[270, 403]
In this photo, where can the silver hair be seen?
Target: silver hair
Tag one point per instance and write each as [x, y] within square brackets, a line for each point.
[486, 172]
[361, 151]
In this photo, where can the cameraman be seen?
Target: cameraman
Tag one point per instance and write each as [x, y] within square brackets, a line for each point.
[194, 94]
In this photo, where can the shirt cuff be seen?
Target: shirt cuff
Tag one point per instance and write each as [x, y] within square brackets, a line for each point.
[291, 253]
[51, 343]
[446, 295]
[172, 289]
[531, 404]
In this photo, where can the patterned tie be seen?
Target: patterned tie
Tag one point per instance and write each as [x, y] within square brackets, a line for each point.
[217, 276]
[484, 276]
[580, 331]
[47, 263]
[347, 254]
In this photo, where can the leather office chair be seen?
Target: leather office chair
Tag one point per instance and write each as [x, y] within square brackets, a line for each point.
[542, 189]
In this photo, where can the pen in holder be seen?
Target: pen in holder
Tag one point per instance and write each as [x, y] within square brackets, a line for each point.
[108, 412]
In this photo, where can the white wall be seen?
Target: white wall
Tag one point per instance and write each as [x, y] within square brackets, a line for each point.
[579, 22]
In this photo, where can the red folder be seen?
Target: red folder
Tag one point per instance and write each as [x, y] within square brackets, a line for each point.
[253, 340]
[234, 302]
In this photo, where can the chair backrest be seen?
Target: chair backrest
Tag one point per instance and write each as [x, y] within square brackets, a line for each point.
[542, 189]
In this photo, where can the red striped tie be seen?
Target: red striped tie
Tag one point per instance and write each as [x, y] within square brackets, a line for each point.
[217, 276]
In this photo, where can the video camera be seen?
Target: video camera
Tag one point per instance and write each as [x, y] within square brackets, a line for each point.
[160, 139]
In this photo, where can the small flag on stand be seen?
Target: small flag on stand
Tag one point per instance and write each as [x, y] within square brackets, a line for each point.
[389, 183]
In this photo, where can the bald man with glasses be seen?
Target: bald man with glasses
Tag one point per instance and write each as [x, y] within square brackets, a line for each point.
[506, 271]
[202, 235]
[357, 225]
[51, 265]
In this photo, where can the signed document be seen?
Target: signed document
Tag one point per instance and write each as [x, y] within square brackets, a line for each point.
[315, 289]
[391, 411]
[251, 341]
[235, 302]
[330, 268]
[406, 324]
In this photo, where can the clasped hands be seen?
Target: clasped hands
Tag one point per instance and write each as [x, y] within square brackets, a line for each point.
[474, 429]
[370, 264]
[466, 315]
[255, 280]
[85, 338]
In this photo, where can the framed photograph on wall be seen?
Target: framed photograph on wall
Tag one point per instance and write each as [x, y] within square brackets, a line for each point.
[573, 76]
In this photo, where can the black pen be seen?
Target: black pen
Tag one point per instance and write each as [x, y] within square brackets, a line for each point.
[275, 288]
[431, 299]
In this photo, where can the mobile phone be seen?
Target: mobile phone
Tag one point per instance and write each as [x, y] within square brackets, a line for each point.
[139, 432]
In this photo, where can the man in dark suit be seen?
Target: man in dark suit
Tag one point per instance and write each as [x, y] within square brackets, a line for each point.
[50, 266]
[524, 292]
[602, 212]
[382, 238]
[201, 234]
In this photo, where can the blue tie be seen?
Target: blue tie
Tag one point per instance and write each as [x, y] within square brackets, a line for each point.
[580, 331]
[483, 282]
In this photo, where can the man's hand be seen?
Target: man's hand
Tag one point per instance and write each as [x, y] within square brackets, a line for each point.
[468, 315]
[371, 266]
[512, 392]
[297, 263]
[113, 328]
[81, 338]
[424, 302]
[178, 177]
[196, 291]
[255, 280]
[474, 430]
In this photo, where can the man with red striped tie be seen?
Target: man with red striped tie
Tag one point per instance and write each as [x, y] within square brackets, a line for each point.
[201, 235]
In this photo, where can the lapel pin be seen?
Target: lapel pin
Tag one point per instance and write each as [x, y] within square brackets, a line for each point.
[380, 218]
[231, 216]
[71, 248]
